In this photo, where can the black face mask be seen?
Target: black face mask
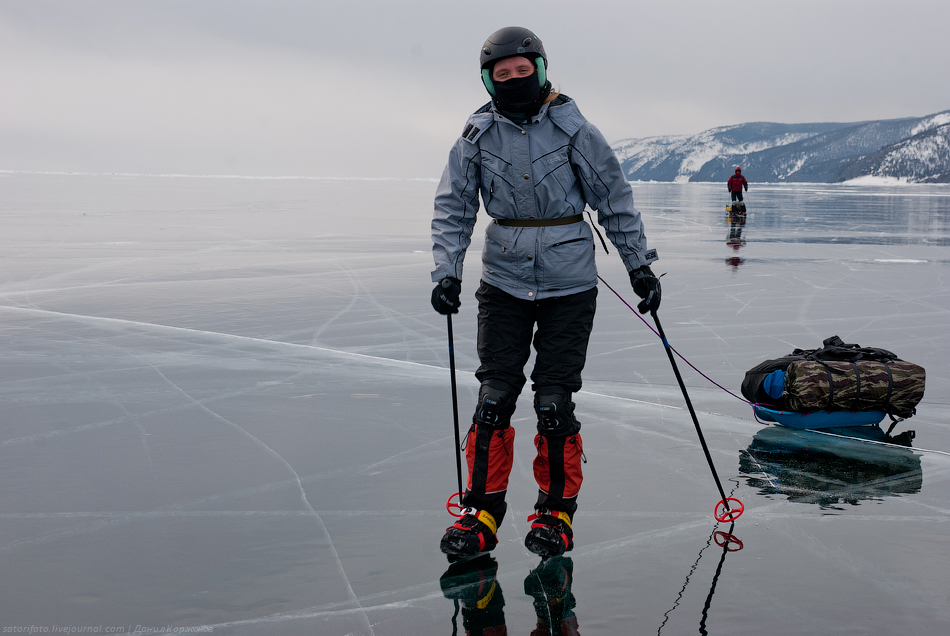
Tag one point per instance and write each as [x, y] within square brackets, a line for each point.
[520, 95]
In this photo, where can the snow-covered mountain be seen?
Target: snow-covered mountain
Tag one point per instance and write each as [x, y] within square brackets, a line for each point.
[923, 158]
[914, 149]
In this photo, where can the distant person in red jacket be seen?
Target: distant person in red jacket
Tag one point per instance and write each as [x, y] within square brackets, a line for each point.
[736, 184]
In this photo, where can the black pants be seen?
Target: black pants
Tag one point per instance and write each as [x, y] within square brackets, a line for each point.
[736, 196]
[505, 328]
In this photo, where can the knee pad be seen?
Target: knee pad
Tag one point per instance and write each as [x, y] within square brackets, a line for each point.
[495, 407]
[555, 413]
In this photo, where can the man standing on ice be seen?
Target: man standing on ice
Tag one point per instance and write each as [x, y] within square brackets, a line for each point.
[536, 163]
[735, 184]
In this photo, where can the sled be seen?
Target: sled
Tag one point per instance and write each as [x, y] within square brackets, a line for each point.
[737, 207]
[819, 419]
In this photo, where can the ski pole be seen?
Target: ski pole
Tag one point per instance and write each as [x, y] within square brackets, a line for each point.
[455, 412]
[729, 514]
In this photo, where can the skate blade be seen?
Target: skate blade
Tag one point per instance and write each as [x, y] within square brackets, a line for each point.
[545, 549]
[464, 558]
[460, 551]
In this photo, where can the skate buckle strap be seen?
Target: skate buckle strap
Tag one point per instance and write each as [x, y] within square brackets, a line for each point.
[482, 516]
[488, 520]
[563, 516]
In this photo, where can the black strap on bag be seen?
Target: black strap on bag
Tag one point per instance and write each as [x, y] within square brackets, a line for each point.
[834, 348]
[857, 386]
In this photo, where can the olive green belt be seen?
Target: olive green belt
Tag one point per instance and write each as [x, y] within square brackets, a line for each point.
[564, 220]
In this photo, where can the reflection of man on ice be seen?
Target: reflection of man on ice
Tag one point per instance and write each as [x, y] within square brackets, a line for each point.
[736, 184]
[474, 587]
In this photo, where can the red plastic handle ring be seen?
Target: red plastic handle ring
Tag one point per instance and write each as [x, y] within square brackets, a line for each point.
[452, 505]
[728, 541]
[729, 513]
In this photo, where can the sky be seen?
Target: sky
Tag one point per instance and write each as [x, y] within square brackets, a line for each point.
[380, 89]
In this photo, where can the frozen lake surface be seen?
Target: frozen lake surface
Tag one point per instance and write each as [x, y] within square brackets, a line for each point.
[225, 403]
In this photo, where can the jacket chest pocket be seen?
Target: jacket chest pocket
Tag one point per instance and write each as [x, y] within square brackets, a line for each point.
[557, 166]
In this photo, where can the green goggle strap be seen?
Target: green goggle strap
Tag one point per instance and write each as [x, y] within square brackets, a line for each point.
[486, 80]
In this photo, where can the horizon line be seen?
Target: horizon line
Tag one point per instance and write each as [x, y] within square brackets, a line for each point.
[181, 175]
[857, 181]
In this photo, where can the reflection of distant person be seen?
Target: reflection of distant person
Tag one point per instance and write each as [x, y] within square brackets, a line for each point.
[735, 237]
[736, 223]
[735, 240]
[736, 184]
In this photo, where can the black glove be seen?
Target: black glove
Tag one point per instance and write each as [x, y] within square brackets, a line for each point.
[445, 296]
[647, 287]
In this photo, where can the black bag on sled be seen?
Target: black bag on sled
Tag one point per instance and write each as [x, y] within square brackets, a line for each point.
[837, 377]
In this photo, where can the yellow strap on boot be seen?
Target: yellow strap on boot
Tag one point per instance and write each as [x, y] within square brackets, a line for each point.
[488, 520]
[563, 516]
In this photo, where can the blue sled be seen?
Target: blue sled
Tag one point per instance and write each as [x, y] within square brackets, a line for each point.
[819, 419]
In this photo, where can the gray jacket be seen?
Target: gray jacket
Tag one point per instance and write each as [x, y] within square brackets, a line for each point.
[546, 169]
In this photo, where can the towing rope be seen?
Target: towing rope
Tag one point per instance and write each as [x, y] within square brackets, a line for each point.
[671, 348]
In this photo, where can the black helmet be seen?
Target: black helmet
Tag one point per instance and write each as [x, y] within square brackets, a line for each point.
[509, 42]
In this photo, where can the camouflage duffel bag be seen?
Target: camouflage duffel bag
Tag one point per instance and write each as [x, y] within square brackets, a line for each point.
[895, 386]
